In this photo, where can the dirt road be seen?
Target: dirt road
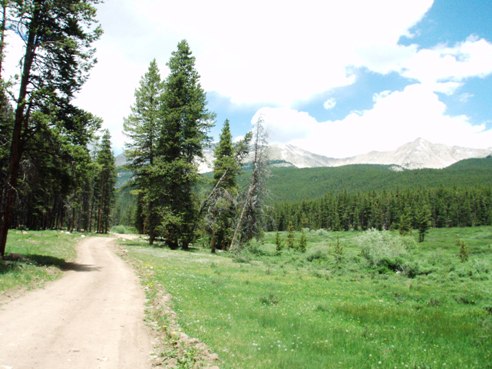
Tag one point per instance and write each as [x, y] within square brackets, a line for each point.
[91, 318]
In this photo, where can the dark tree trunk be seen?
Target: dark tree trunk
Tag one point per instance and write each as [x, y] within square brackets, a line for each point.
[2, 34]
[99, 220]
[9, 191]
[212, 243]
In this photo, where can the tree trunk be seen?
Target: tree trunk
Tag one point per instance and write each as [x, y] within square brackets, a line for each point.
[2, 34]
[9, 190]
[236, 242]
[99, 220]
[212, 243]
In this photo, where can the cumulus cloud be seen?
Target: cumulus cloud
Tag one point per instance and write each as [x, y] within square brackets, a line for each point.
[470, 58]
[285, 124]
[278, 52]
[396, 117]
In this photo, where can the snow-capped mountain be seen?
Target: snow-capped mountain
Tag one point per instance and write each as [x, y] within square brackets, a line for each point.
[418, 154]
[413, 155]
[280, 156]
[290, 155]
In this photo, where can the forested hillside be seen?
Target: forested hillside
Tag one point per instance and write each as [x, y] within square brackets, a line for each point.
[362, 196]
[292, 184]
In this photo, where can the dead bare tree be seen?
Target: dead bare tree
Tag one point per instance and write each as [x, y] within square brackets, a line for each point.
[249, 224]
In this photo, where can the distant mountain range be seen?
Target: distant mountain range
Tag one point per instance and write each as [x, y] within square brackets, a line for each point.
[413, 155]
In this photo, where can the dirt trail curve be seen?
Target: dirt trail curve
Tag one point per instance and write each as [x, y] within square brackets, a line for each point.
[91, 318]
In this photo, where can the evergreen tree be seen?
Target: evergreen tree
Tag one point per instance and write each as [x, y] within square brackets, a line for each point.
[302, 246]
[405, 224]
[423, 220]
[57, 57]
[290, 236]
[223, 199]
[143, 127]
[226, 165]
[106, 181]
[279, 245]
[6, 119]
[185, 125]
[55, 174]
[338, 251]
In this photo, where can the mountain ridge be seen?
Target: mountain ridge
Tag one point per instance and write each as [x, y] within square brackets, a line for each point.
[417, 154]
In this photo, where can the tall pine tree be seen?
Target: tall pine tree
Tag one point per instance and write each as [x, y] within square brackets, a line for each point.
[106, 180]
[222, 207]
[186, 122]
[143, 127]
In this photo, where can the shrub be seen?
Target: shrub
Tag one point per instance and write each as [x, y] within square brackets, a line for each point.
[464, 252]
[411, 270]
[317, 253]
[381, 248]
[121, 229]
[256, 249]
[269, 300]
[338, 250]
[477, 270]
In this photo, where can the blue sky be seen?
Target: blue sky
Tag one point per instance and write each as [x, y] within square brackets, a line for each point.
[337, 78]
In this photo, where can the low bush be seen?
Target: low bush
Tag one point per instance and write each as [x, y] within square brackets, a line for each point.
[122, 229]
[382, 248]
[318, 253]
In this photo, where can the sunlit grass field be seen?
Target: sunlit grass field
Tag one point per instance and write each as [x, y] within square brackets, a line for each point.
[38, 257]
[339, 304]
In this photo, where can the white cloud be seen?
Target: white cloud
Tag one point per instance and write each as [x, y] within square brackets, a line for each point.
[330, 103]
[442, 68]
[285, 124]
[281, 52]
[110, 92]
[273, 52]
[471, 58]
[396, 118]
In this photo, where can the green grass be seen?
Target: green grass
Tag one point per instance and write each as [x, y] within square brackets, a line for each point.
[295, 310]
[38, 257]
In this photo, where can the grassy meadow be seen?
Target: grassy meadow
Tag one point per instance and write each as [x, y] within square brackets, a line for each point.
[352, 300]
[35, 257]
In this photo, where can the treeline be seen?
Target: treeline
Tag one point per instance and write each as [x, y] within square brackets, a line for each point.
[398, 209]
[65, 186]
[48, 177]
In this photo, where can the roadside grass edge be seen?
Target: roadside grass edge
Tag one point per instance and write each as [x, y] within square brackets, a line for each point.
[174, 348]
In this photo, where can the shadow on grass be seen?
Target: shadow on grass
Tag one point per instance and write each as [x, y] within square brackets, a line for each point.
[16, 261]
[158, 245]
